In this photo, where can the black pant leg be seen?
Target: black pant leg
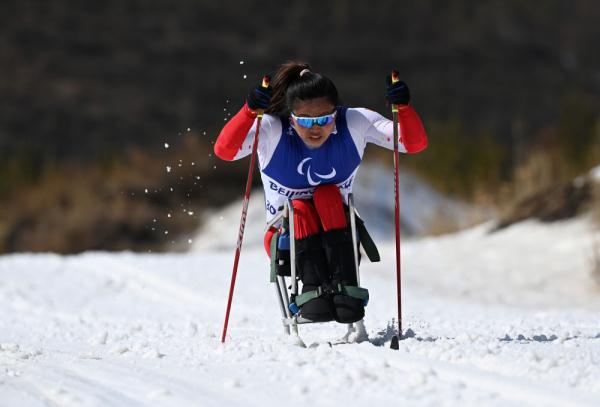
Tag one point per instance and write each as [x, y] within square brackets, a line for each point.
[311, 266]
[339, 253]
[340, 256]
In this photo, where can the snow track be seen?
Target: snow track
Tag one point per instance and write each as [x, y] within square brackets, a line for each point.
[123, 329]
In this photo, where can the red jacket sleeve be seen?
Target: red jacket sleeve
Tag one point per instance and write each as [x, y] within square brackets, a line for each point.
[412, 134]
[234, 133]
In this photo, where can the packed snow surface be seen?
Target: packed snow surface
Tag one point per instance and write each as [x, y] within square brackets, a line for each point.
[504, 319]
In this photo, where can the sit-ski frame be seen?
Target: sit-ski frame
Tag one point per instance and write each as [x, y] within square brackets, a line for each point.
[291, 322]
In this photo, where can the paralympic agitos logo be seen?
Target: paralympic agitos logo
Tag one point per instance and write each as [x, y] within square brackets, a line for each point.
[312, 175]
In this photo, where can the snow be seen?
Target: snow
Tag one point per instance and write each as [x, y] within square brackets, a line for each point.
[502, 319]
[420, 205]
[595, 173]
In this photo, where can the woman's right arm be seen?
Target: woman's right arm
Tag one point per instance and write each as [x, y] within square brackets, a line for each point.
[237, 137]
[233, 136]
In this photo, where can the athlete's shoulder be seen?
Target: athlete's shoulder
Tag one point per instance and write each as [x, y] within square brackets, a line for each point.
[271, 128]
[271, 120]
[353, 115]
[360, 113]
[360, 118]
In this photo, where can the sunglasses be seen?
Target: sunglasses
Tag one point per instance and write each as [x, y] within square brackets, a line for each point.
[308, 122]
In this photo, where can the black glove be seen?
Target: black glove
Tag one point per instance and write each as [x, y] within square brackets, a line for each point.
[397, 93]
[259, 98]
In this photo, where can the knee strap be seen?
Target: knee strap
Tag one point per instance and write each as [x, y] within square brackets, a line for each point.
[349, 290]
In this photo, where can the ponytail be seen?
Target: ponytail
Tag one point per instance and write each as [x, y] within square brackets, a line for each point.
[294, 81]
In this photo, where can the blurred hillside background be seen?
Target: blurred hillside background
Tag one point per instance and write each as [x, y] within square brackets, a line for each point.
[109, 109]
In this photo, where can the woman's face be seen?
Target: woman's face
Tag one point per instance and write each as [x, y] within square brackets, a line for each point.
[315, 136]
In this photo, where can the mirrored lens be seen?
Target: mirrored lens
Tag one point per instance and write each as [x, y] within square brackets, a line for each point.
[322, 121]
[308, 122]
[305, 122]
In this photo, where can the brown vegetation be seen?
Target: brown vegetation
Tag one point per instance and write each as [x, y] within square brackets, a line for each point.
[128, 204]
[554, 203]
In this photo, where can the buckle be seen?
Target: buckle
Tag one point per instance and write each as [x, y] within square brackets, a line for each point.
[328, 289]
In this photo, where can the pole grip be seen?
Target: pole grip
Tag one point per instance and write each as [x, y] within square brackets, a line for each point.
[266, 81]
[395, 78]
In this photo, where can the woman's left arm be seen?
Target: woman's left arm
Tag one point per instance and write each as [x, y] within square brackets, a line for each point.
[379, 130]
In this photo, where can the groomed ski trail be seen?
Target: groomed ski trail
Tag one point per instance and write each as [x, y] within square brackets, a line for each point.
[127, 329]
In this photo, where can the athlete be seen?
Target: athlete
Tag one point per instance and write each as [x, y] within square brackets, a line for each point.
[309, 150]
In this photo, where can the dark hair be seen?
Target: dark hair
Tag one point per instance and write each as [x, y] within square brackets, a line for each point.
[289, 87]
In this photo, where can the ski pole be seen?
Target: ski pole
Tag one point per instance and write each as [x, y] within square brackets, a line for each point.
[397, 206]
[265, 84]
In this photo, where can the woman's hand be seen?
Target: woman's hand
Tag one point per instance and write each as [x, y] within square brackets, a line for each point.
[259, 98]
[397, 92]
